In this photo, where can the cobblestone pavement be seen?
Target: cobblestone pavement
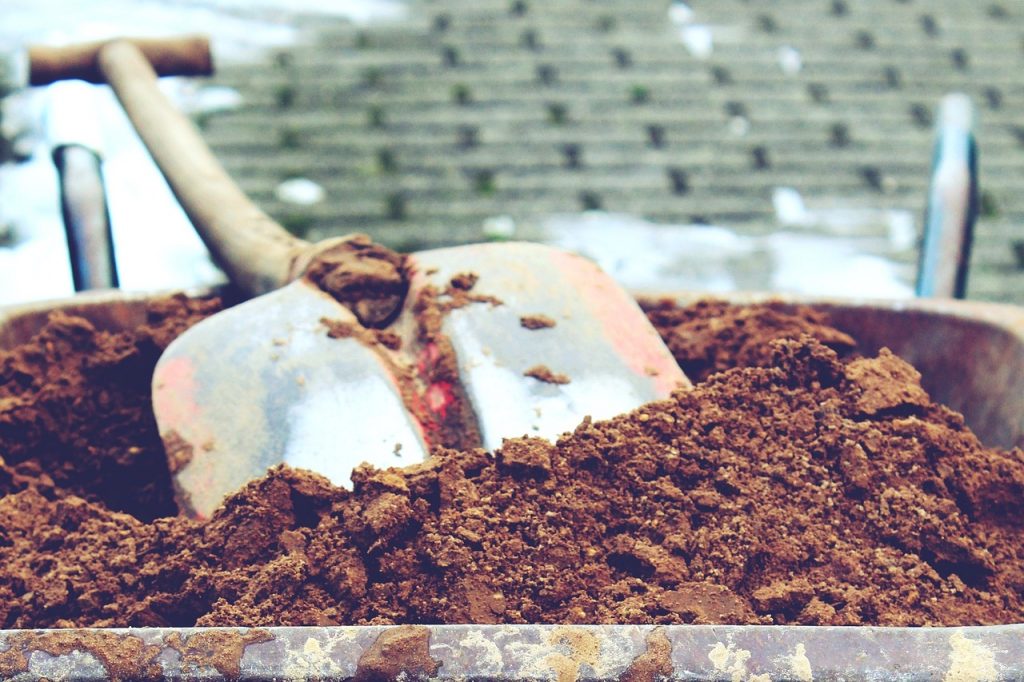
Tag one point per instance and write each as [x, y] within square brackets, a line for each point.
[421, 130]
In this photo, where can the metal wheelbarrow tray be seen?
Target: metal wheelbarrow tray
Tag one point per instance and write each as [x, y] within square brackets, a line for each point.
[971, 356]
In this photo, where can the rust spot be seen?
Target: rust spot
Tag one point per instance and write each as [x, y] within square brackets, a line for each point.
[124, 657]
[436, 365]
[584, 648]
[654, 663]
[218, 649]
[397, 650]
[13, 660]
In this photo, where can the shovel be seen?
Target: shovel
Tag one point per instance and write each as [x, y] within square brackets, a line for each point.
[952, 207]
[75, 136]
[348, 353]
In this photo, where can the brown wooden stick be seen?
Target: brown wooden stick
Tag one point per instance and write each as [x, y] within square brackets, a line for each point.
[183, 56]
[257, 253]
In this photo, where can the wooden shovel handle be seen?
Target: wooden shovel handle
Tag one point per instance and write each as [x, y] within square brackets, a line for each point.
[182, 56]
[257, 253]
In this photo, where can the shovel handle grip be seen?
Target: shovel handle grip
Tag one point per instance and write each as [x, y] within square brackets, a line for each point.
[256, 253]
[182, 56]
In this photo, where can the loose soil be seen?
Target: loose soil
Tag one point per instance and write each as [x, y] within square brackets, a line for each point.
[534, 322]
[545, 374]
[795, 483]
[366, 277]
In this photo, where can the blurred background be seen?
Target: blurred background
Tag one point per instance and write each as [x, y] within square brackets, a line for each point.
[707, 145]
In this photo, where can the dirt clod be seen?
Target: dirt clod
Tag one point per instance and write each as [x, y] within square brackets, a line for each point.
[364, 276]
[791, 484]
[547, 375]
[534, 322]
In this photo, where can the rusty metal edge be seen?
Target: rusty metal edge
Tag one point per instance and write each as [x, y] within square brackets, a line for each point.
[93, 298]
[1007, 317]
[1004, 315]
[525, 652]
[111, 308]
[517, 652]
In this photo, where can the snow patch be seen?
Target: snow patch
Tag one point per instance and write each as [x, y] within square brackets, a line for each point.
[643, 255]
[300, 191]
[789, 60]
[155, 244]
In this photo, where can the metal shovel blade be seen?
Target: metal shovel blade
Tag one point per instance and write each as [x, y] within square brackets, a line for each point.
[559, 340]
[262, 383]
[543, 340]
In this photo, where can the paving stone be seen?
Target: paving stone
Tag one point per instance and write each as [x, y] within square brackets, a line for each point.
[420, 130]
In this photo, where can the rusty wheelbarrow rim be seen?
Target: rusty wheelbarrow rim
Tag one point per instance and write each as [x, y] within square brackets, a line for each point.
[27, 316]
[518, 652]
[507, 652]
[1004, 315]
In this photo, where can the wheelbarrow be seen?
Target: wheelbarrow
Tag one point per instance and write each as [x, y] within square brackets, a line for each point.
[987, 382]
[931, 334]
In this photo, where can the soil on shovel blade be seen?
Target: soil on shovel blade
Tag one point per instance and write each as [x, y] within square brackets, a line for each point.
[795, 483]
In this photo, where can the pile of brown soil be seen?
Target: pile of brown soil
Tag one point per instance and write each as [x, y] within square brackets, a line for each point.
[712, 335]
[795, 486]
[75, 414]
